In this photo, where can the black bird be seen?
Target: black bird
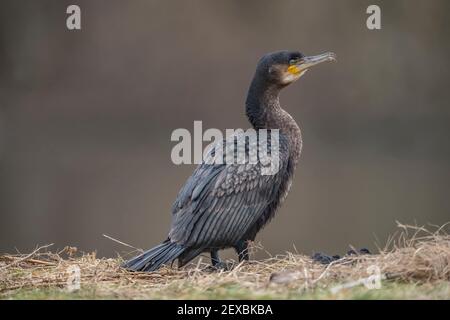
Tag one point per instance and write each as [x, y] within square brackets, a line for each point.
[225, 205]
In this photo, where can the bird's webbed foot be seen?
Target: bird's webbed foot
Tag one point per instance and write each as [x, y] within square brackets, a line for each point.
[217, 264]
[221, 266]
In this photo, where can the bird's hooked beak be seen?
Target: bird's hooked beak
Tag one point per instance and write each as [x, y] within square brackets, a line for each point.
[307, 62]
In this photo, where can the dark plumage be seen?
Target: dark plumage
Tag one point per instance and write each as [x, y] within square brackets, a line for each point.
[225, 205]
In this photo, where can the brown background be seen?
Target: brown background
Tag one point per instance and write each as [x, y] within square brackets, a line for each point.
[86, 116]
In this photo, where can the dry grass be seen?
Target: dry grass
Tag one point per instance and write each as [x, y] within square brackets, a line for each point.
[415, 258]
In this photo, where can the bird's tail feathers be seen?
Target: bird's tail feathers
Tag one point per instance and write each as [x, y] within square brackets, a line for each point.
[154, 258]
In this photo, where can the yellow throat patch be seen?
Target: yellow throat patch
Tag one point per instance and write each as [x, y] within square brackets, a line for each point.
[294, 70]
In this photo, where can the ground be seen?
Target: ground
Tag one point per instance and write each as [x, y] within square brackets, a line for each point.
[414, 265]
[233, 291]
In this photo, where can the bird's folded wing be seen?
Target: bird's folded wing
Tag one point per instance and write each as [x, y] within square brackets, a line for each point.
[221, 202]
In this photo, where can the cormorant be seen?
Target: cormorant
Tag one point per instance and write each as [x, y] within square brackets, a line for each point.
[225, 205]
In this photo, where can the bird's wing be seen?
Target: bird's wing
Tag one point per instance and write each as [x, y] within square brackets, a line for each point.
[220, 202]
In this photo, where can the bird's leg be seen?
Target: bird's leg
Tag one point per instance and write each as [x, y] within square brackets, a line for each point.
[215, 259]
[216, 262]
[242, 250]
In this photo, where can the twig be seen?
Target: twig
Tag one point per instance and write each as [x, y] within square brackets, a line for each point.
[35, 261]
[123, 243]
[28, 256]
[332, 263]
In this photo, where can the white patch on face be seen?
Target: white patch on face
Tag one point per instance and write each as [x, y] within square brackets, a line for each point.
[290, 77]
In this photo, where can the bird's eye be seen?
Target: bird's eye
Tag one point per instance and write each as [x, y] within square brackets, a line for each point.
[294, 61]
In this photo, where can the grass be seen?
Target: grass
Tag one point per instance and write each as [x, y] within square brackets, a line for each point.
[387, 291]
[414, 265]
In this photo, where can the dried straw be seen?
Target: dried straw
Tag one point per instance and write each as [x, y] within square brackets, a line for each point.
[415, 255]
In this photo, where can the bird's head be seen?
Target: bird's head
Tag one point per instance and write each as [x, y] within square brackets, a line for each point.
[282, 68]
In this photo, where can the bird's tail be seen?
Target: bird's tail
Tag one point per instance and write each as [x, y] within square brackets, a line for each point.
[154, 258]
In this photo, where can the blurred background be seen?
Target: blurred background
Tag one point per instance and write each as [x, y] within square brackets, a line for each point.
[86, 116]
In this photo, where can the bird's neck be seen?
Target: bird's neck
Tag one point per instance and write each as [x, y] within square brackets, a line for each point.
[264, 111]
